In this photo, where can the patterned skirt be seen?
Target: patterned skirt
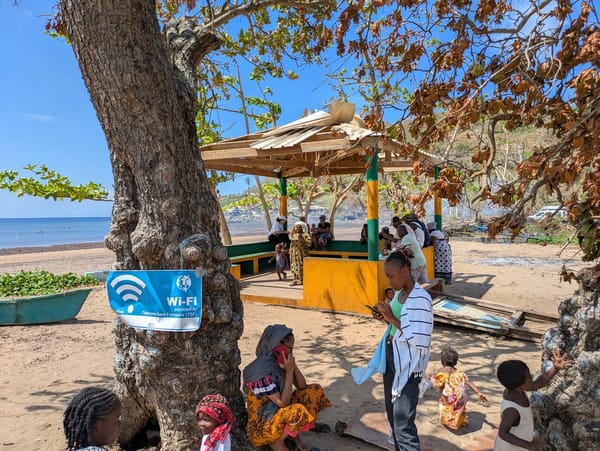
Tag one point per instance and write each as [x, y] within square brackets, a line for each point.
[299, 416]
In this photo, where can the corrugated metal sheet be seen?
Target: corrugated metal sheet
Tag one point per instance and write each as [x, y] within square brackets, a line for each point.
[287, 139]
[353, 132]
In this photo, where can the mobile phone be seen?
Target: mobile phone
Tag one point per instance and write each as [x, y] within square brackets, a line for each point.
[373, 309]
[279, 352]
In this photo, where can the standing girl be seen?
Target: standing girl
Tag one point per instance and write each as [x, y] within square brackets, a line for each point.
[453, 391]
[214, 421]
[92, 420]
[408, 338]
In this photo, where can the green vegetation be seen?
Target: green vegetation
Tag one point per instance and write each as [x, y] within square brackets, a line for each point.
[38, 282]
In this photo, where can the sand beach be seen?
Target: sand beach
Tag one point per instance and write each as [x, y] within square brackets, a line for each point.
[44, 365]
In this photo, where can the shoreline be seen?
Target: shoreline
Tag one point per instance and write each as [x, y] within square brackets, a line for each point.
[51, 248]
[243, 238]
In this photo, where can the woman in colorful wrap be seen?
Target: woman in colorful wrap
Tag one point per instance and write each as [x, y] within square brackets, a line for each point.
[299, 246]
[275, 410]
[214, 421]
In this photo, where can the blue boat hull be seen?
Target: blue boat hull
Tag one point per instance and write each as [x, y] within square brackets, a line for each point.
[42, 309]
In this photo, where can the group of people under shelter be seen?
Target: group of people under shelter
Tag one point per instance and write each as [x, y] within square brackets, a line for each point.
[291, 246]
[411, 232]
[281, 404]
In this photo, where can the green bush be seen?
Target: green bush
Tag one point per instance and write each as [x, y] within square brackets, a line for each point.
[38, 282]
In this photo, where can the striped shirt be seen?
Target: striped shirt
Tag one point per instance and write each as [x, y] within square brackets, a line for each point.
[412, 341]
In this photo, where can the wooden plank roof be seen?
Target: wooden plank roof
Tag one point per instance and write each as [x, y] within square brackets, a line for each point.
[321, 143]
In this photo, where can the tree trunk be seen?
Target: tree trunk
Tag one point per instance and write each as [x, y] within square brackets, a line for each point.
[567, 411]
[142, 84]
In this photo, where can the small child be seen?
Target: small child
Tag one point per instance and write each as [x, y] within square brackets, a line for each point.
[453, 393]
[388, 295]
[280, 261]
[92, 420]
[516, 422]
[214, 421]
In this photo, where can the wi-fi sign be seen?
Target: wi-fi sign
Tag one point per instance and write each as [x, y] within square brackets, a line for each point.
[128, 287]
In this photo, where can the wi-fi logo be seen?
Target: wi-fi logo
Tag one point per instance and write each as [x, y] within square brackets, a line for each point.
[128, 287]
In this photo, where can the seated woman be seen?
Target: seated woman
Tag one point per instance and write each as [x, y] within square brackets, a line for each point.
[275, 410]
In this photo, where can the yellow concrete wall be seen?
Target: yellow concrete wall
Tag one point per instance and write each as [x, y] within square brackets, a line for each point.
[428, 252]
[342, 285]
[345, 285]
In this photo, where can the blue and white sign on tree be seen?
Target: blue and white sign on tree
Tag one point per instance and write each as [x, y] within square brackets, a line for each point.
[167, 300]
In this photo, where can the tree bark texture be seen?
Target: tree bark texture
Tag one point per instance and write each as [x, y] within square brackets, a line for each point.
[142, 85]
[567, 411]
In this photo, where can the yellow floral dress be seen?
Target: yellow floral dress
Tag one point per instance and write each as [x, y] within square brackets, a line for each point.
[453, 398]
[299, 416]
[299, 249]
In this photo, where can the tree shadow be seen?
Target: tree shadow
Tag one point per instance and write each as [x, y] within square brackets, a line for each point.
[471, 285]
[55, 399]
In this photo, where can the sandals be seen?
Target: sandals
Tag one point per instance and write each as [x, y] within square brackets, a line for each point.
[321, 428]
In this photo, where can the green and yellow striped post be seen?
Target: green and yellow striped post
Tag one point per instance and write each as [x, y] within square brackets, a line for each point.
[437, 203]
[283, 199]
[373, 206]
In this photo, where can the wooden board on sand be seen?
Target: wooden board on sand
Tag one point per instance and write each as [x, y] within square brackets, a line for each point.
[370, 425]
[490, 317]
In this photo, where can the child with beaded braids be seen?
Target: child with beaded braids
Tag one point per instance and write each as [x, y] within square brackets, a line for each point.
[91, 420]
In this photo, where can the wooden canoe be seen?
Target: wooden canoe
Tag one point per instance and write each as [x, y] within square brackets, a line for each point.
[490, 317]
[42, 309]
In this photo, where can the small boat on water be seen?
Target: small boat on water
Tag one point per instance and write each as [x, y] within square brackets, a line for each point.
[49, 308]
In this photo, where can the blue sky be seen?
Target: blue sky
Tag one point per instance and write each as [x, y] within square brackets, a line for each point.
[46, 116]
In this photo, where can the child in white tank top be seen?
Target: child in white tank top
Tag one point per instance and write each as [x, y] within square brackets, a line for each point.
[516, 429]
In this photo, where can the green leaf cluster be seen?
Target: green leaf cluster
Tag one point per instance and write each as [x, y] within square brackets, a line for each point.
[39, 282]
[49, 184]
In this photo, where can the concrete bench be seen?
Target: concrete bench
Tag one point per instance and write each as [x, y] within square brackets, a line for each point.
[254, 258]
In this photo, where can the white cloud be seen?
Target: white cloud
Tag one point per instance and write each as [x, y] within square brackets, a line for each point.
[38, 117]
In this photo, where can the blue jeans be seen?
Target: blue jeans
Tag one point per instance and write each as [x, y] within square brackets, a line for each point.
[401, 414]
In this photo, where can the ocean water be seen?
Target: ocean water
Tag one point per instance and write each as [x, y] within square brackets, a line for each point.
[28, 232]
[33, 232]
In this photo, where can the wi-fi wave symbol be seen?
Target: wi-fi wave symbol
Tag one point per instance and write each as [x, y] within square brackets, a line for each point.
[128, 287]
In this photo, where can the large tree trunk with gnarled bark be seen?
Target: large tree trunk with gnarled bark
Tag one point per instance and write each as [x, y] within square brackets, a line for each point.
[568, 410]
[141, 83]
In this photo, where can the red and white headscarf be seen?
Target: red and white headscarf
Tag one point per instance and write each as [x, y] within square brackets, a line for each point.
[215, 406]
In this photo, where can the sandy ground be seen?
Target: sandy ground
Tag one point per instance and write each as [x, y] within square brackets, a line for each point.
[44, 365]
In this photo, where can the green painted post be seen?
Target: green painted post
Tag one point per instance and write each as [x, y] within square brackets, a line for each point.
[373, 207]
[283, 199]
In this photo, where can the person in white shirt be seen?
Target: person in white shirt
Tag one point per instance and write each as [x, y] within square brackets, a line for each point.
[278, 234]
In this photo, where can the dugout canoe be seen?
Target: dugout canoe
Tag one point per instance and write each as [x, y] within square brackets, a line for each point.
[49, 308]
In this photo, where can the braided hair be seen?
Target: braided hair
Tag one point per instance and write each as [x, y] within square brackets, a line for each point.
[400, 257]
[84, 410]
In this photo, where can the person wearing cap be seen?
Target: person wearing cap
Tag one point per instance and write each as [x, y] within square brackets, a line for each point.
[442, 256]
[322, 234]
[276, 411]
[278, 234]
